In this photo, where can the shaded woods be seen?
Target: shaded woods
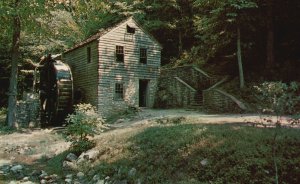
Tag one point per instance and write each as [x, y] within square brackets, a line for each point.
[215, 34]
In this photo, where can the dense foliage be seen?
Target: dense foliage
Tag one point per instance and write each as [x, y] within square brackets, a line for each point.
[190, 31]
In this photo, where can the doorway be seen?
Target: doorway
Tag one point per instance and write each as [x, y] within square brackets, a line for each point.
[143, 92]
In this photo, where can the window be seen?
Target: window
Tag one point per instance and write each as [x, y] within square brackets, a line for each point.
[120, 54]
[88, 54]
[130, 30]
[119, 91]
[143, 55]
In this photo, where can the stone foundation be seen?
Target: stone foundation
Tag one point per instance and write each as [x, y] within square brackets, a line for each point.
[28, 111]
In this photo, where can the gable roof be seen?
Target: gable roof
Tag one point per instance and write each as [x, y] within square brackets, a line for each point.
[102, 32]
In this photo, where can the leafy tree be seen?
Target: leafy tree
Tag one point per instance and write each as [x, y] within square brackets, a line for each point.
[23, 21]
[220, 22]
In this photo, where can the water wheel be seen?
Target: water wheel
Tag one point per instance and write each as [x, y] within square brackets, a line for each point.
[56, 91]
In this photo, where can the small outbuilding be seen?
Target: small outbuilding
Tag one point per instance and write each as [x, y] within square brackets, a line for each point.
[116, 68]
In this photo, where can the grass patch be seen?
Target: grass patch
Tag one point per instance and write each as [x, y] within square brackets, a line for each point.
[234, 154]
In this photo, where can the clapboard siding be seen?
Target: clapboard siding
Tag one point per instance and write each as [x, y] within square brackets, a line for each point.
[99, 77]
[85, 74]
[131, 71]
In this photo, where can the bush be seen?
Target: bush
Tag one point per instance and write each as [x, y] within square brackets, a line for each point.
[278, 98]
[83, 124]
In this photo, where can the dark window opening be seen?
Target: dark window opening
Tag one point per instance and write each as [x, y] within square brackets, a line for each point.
[119, 91]
[143, 55]
[89, 54]
[130, 30]
[120, 54]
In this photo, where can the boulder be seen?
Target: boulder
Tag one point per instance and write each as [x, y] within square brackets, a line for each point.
[80, 175]
[71, 157]
[16, 168]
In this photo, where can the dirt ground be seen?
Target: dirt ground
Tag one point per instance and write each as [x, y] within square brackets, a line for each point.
[30, 146]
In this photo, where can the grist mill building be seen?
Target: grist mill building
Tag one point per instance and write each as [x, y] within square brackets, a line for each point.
[116, 68]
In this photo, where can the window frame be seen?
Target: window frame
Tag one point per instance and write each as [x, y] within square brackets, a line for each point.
[119, 91]
[120, 56]
[143, 55]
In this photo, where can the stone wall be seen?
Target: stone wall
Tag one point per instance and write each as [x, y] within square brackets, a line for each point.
[219, 101]
[179, 86]
[192, 75]
[174, 92]
[28, 110]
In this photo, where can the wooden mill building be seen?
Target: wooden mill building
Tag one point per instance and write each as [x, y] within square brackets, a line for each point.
[116, 68]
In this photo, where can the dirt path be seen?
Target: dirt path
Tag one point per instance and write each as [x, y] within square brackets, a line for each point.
[32, 146]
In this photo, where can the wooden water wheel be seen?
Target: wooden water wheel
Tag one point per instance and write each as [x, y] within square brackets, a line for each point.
[56, 91]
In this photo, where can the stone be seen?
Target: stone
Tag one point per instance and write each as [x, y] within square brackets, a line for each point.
[54, 176]
[70, 176]
[71, 157]
[120, 121]
[13, 182]
[43, 181]
[80, 175]
[43, 175]
[36, 173]
[26, 178]
[132, 172]
[96, 177]
[68, 181]
[89, 155]
[204, 162]
[69, 165]
[100, 182]
[16, 168]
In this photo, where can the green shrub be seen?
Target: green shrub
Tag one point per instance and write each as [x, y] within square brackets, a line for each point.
[277, 98]
[83, 124]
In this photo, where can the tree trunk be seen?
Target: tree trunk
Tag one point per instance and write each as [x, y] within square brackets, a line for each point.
[179, 43]
[239, 57]
[270, 36]
[12, 94]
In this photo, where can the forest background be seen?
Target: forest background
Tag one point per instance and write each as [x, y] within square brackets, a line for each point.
[258, 38]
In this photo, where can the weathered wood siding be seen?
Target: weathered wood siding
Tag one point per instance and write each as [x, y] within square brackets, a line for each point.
[85, 75]
[130, 72]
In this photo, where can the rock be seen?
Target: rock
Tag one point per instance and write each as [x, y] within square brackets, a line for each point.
[68, 181]
[69, 165]
[27, 182]
[26, 178]
[13, 182]
[36, 173]
[139, 181]
[43, 181]
[2, 172]
[54, 176]
[80, 175]
[69, 176]
[132, 172]
[96, 177]
[120, 121]
[16, 168]
[204, 162]
[71, 157]
[100, 182]
[121, 182]
[89, 155]
[43, 175]
[5, 168]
